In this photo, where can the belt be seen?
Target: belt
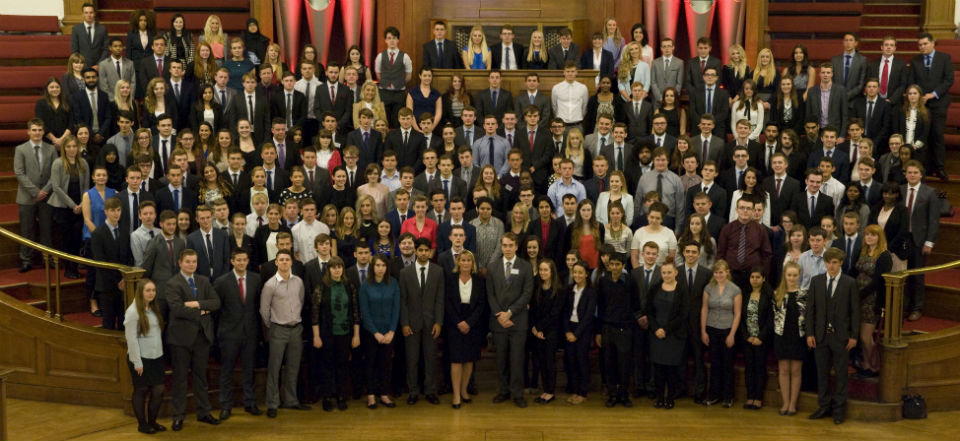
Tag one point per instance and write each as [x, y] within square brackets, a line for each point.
[286, 326]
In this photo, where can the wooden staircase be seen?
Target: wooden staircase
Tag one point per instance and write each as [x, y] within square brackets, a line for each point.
[898, 18]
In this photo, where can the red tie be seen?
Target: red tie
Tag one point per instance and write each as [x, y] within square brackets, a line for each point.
[259, 221]
[703, 64]
[910, 208]
[311, 178]
[531, 140]
[884, 77]
[779, 181]
[243, 297]
[391, 57]
[160, 66]
[333, 94]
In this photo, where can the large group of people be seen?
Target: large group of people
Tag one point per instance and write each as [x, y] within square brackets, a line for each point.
[354, 225]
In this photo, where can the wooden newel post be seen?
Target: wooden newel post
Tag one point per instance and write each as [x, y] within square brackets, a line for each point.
[893, 309]
[3, 404]
[131, 276]
[893, 371]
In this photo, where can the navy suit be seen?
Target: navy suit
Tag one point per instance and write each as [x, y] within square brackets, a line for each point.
[164, 199]
[606, 62]
[215, 262]
[443, 236]
[83, 113]
[395, 222]
[841, 163]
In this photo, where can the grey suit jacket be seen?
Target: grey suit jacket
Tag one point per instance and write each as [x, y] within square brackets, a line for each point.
[93, 51]
[845, 304]
[32, 177]
[420, 310]
[457, 187]
[856, 77]
[513, 296]
[925, 218]
[109, 78]
[837, 112]
[541, 101]
[156, 260]
[592, 142]
[662, 78]
[714, 149]
[186, 324]
[477, 133]
[60, 181]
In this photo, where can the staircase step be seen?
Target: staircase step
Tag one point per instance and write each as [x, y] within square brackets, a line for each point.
[911, 8]
[125, 4]
[113, 15]
[904, 32]
[890, 20]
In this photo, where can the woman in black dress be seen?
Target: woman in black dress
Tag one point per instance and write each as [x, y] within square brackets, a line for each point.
[545, 312]
[789, 305]
[580, 302]
[464, 312]
[786, 106]
[873, 262]
[54, 110]
[754, 332]
[340, 195]
[667, 316]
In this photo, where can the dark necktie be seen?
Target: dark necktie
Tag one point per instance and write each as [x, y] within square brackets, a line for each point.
[351, 177]
[210, 255]
[281, 154]
[813, 205]
[830, 286]
[660, 183]
[289, 109]
[846, 263]
[243, 296]
[236, 180]
[133, 213]
[446, 188]
[176, 91]
[366, 139]
[363, 275]
[223, 99]
[310, 176]
[270, 179]
[620, 157]
[440, 52]
[493, 97]
[846, 69]
[36, 151]
[406, 135]
[742, 245]
[647, 277]
[176, 200]
[709, 100]
[423, 278]
[90, 33]
[530, 139]
[779, 181]
[193, 287]
[490, 154]
[250, 108]
[173, 259]
[163, 154]
[119, 75]
[690, 278]
[116, 234]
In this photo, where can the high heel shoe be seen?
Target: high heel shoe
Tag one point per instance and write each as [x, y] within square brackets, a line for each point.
[455, 405]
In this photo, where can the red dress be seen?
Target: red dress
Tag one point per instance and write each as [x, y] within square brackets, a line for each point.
[429, 229]
[588, 250]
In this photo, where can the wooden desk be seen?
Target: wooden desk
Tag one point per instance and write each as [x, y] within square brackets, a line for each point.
[512, 80]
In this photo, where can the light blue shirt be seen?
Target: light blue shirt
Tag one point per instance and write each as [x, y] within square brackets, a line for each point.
[559, 189]
[810, 265]
[481, 152]
[641, 73]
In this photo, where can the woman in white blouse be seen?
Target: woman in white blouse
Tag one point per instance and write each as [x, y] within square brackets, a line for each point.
[655, 232]
[747, 106]
[616, 193]
[751, 185]
[912, 119]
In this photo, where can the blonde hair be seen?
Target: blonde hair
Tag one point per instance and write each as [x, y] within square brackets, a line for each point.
[768, 73]
[278, 67]
[781, 292]
[373, 206]
[740, 69]
[628, 62]
[342, 230]
[456, 262]
[376, 92]
[526, 214]
[470, 49]
[213, 37]
[574, 132]
[150, 100]
[720, 265]
[543, 48]
[616, 36]
[122, 104]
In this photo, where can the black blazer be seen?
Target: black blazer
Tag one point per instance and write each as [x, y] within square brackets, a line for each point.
[184, 104]
[420, 308]
[341, 106]
[606, 61]
[801, 205]
[845, 303]
[546, 313]
[718, 197]
[841, 162]
[765, 319]
[877, 283]
[452, 312]
[556, 59]
[693, 77]
[921, 131]
[82, 113]
[373, 153]
[485, 105]
[449, 59]
[896, 78]
[147, 70]
[638, 125]
[238, 319]
[321, 314]
[124, 196]
[720, 110]
[187, 323]
[136, 51]
[196, 116]
[220, 261]
[694, 294]
[496, 55]
[107, 249]
[797, 119]
[878, 127]
[278, 106]
[586, 312]
[237, 110]
[939, 79]
[164, 198]
[677, 325]
[412, 153]
[780, 203]
[896, 229]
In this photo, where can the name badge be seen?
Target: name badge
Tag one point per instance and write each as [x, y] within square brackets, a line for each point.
[515, 271]
[508, 187]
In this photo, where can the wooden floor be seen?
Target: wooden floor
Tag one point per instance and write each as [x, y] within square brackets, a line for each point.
[479, 421]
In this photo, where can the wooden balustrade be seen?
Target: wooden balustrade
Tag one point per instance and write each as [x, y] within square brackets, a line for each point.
[3, 403]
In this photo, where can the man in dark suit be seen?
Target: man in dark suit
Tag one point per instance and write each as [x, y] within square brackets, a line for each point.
[558, 56]
[108, 243]
[509, 288]
[589, 56]
[742, 139]
[211, 245]
[870, 188]
[850, 242]
[890, 71]
[932, 70]
[637, 113]
[223, 94]
[533, 97]
[645, 275]
[421, 318]
[716, 193]
[132, 196]
[179, 158]
[445, 181]
[697, 66]
[441, 53]
[160, 260]
[334, 97]
[318, 178]
[876, 114]
[288, 152]
[822, 204]
[923, 207]
[277, 177]
[89, 38]
[659, 136]
[369, 142]
[181, 93]
[189, 334]
[457, 209]
[251, 106]
[708, 146]
[850, 67]
[536, 157]
[493, 100]
[238, 331]
[401, 211]
[836, 112]
[832, 328]
[174, 196]
[288, 103]
[709, 98]
[92, 107]
[618, 152]
[408, 143]
[841, 161]
[731, 179]
[781, 187]
[691, 281]
[507, 55]
[154, 66]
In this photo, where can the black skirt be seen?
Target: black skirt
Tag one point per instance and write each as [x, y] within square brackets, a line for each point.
[153, 373]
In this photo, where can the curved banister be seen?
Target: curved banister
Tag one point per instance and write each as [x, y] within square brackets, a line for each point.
[893, 310]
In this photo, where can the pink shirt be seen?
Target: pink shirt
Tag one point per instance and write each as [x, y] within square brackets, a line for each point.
[429, 229]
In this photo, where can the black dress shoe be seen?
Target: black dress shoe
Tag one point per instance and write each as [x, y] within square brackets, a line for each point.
[728, 404]
[501, 398]
[25, 267]
[209, 419]
[412, 399]
[783, 413]
[612, 401]
[455, 405]
[472, 389]
[271, 413]
[432, 399]
[97, 313]
[158, 427]
[838, 418]
[342, 403]
[253, 410]
[224, 414]
[146, 428]
[669, 404]
[820, 413]
[625, 401]
[177, 424]
[327, 405]
[943, 177]
[298, 406]
[372, 405]
[388, 404]
[466, 400]
[520, 402]
[658, 404]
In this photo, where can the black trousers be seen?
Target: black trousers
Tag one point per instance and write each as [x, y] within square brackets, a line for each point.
[666, 380]
[398, 376]
[916, 286]
[510, 348]
[334, 365]
[532, 364]
[111, 305]
[69, 225]
[642, 366]
[376, 362]
[755, 370]
[696, 350]
[618, 344]
[832, 352]
[721, 365]
[190, 359]
[310, 128]
[393, 100]
[577, 356]
[936, 150]
[35, 220]
[246, 351]
[546, 355]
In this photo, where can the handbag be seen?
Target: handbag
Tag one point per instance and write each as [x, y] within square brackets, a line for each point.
[914, 407]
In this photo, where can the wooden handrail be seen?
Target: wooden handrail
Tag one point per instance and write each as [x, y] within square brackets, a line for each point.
[3, 403]
[893, 307]
[131, 274]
